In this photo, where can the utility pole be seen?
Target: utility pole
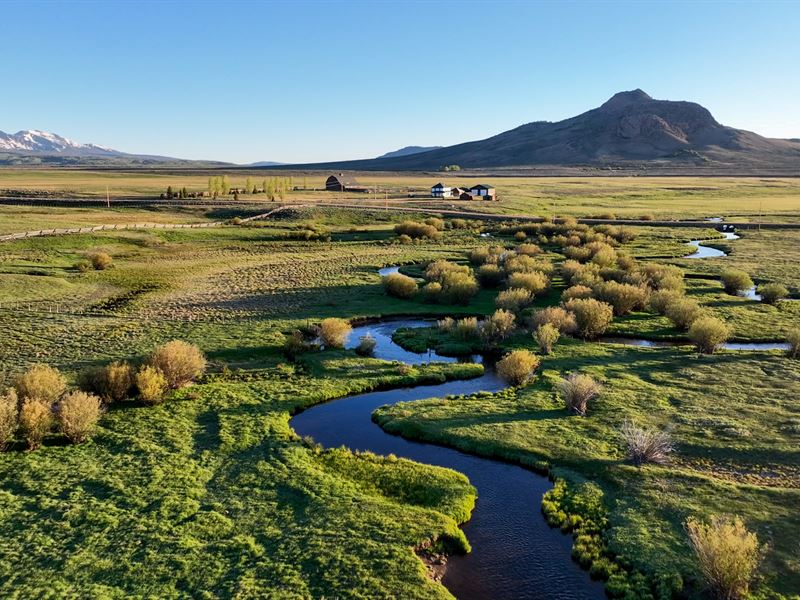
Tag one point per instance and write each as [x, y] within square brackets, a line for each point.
[108, 199]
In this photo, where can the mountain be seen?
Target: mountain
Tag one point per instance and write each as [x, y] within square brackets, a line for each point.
[264, 163]
[408, 150]
[630, 129]
[32, 141]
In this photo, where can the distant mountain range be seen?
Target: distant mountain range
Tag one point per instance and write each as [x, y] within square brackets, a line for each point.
[630, 129]
[409, 150]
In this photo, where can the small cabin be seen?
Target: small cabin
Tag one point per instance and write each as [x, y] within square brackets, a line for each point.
[440, 190]
[483, 192]
[457, 191]
[343, 183]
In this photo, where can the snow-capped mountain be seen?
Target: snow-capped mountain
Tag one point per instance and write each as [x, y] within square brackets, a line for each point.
[32, 141]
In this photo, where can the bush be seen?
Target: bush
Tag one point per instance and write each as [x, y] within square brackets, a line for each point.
[83, 266]
[708, 334]
[151, 384]
[459, 288]
[447, 324]
[645, 445]
[467, 328]
[523, 264]
[623, 297]
[438, 270]
[658, 277]
[78, 414]
[518, 366]
[772, 292]
[520, 236]
[576, 291]
[294, 345]
[683, 312]
[35, 421]
[416, 230]
[334, 332]
[578, 390]
[435, 222]
[432, 291]
[485, 254]
[9, 416]
[513, 299]
[490, 275]
[660, 300]
[101, 261]
[534, 282]
[179, 361]
[115, 381]
[735, 281]
[605, 256]
[592, 316]
[793, 339]
[499, 326]
[528, 249]
[404, 239]
[546, 337]
[41, 382]
[366, 345]
[556, 316]
[399, 285]
[727, 553]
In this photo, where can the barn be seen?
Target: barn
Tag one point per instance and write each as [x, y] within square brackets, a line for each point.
[343, 183]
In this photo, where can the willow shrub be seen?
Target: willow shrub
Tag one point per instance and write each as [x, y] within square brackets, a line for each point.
[101, 261]
[334, 331]
[40, 382]
[179, 361]
[683, 312]
[513, 299]
[546, 336]
[708, 334]
[576, 291]
[535, 282]
[151, 384]
[793, 339]
[592, 316]
[35, 421]
[399, 285]
[660, 300]
[416, 230]
[9, 416]
[772, 292]
[623, 297]
[518, 366]
[78, 415]
[490, 275]
[563, 320]
[735, 281]
[498, 326]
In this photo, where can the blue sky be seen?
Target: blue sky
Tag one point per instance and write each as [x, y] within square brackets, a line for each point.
[310, 81]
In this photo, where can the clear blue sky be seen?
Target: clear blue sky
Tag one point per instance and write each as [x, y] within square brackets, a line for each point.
[308, 81]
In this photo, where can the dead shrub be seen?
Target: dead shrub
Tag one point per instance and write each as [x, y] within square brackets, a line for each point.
[35, 421]
[9, 416]
[513, 299]
[546, 337]
[179, 361]
[592, 316]
[683, 312]
[646, 445]
[101, 261]
[708, 334]
[400, 286]
[577, 390]
[518, 366]
[727, 553]
[556, 316]
[151, 383]
[333, 332]
[78, 414]
[41, 382]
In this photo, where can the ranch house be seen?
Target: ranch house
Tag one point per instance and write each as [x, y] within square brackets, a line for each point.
[440, 190]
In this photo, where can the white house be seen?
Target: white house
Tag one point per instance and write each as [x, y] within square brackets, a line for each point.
[483, 190]
[440, 190]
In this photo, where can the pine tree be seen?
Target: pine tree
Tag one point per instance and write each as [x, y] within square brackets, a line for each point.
[169, 192]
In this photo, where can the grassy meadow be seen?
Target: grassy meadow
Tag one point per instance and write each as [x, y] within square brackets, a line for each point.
[211, 494]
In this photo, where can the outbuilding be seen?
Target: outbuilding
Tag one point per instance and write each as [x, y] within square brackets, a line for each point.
[343, 183]
[440, 190]
[483, 192]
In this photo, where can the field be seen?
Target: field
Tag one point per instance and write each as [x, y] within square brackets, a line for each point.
[211, 494]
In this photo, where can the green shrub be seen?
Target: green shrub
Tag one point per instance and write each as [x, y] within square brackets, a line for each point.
[660, 300]
[294, 345]
[101, 261]
[151, 384]
[646, 445]
[683, 312]
[498, 326]
[459, 288]
[518, 366]
[563, 320]
[9, 416]
[417, 230]
[592, 316]
[546, 336]
[179, 361]
[490, 275]
[333, 332]
[513, 299]
[35, 421]
[772, 292]
[432, 292]
[41, 382]
[534, 282]
[399, 285]
[793, 339]
[78, 414]
[735, 281]
[439, 269]
[623, 297]
[577, 390]
[366, 345]
[708, 334]
[727, 553]
[83, 266]
[576, 291]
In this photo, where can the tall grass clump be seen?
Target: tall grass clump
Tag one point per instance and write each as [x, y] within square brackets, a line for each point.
[546, 337]
[592, 316]
[793, 339]
[708, 334]
[727, 553]
[683, 312]
[42, 383]
[518, 366]
[735, 281]
[179, 361]
[9, 416]
[400, 286]
[646, 445]
[78, 414]
[334, 332]
[35, 421]
[151, 384]
[577, 390]
[772, 292]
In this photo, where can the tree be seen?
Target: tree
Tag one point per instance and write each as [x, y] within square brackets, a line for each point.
[169, 192]
[226, 186]
[248, 185]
